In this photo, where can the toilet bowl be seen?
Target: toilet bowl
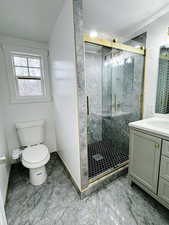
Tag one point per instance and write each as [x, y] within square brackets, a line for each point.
[35, 158]
[35, 154]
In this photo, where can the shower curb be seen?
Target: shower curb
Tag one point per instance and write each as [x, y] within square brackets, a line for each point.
[103, 182]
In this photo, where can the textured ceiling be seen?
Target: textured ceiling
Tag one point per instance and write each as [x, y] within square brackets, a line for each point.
[35, 19]
[29, 19]
[122, 17]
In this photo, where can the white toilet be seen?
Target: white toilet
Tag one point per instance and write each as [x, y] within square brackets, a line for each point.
[35, 154]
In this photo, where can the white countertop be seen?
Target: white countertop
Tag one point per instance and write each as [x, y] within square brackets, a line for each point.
[157, 124]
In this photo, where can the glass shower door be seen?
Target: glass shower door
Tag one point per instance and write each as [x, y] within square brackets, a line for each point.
[125, 85]
[114, 84]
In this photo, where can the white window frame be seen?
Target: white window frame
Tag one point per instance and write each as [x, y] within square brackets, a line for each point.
[9, 51]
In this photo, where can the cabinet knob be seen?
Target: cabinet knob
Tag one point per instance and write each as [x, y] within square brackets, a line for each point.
[156, 145]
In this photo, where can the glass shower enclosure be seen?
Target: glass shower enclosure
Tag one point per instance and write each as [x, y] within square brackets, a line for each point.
[114, 87]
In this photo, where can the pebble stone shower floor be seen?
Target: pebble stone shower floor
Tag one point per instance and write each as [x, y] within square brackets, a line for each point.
[101, 158]
[56, 202]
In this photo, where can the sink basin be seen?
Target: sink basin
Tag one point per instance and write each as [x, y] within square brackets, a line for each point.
[158, 125]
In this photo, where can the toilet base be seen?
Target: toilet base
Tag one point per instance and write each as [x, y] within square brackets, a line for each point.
[37, 175]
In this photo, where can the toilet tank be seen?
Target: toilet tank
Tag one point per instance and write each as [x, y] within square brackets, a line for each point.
[30, 133]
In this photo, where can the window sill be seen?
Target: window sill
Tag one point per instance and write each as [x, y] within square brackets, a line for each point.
[29, 100]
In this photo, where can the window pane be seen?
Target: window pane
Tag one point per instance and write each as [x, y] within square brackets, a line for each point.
[21, 71]
[20, 61]
[33, 62]
[29, 87]
[35, 72]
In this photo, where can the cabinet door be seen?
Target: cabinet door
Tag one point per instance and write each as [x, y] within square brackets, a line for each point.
[164, 168]
[165, 148]
[145, 159]
[163, 190]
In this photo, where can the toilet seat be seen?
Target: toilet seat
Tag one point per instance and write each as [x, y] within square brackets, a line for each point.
[35, 156]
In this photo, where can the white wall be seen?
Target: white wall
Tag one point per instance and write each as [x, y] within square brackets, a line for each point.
[63, 70]
[156, 37]
[4, 168]
[23, 112]
[2, 211]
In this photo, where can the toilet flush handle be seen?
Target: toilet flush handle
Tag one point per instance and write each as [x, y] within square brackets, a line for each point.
[16, 153]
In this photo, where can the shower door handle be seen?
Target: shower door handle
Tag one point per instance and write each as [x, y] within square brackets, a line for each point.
[88, 105]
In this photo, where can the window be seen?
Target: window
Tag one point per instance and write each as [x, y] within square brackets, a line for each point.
[28, 75]
[27, 70]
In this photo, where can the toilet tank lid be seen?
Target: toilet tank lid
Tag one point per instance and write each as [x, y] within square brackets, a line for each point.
[27, 124]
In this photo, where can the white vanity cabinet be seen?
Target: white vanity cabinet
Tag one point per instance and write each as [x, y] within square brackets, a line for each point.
[149, 164]
[163, 190]
[145, 158]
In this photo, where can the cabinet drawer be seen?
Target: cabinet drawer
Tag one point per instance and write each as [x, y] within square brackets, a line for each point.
[165, 148]
[164, 168]
[163, 191]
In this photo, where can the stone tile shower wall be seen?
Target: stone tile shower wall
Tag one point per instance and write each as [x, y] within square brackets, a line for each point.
[93, 65]
[81, 89]
[106, 81]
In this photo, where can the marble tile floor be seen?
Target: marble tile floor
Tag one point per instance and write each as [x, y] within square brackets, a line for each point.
[57, 203]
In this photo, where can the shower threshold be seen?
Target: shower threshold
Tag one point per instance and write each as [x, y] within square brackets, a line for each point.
[109, 171]
[102, 160]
